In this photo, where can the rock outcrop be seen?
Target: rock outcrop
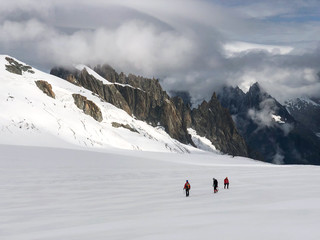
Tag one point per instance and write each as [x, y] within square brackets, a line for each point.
[46, 88]
[88, 107]
[17, 68]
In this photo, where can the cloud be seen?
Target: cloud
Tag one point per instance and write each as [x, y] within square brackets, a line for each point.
[31, 30]
[180, 42]
[135, 46]
[263, 117]
[278, 157]
[283, 76]
[266, 117]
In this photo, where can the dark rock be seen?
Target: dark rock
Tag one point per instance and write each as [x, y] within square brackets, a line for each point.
[185, 110]
[67, 74]
[214, 122]
[17, 68]
[46, 88]
[13, 69]
[184, 95]
[107, 72]
[88, 107]
[171, 119]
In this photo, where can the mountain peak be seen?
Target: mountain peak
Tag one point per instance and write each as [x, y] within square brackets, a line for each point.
[256, 87]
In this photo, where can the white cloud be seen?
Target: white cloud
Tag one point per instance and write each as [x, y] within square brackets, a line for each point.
[179, 41]
[263, 117]
[31, 30]
[234, 48]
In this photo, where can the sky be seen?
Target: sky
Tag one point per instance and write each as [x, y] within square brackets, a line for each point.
[190, 45]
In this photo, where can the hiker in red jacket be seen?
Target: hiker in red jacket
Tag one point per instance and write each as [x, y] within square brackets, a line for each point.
[226, 183]
[187, 188]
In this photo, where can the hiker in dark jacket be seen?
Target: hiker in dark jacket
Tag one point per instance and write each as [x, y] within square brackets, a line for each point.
[187, 188]
[215, 185]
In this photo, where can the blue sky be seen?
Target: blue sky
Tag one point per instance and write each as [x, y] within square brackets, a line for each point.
[191, 45]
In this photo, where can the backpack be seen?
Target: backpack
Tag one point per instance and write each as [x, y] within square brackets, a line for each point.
[188, 186]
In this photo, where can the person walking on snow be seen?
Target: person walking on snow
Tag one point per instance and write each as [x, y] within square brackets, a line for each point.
[187, 188]
[226, 183]
[215, 185]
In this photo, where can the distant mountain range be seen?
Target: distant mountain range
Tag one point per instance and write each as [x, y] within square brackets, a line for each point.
[99, 107]
[274, 133]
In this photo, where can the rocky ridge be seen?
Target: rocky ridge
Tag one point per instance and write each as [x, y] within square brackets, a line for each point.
[145, 99]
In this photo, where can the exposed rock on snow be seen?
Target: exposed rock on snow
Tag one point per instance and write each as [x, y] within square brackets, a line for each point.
[17, 68]
[46, 88]
[88, 107]
[126, 126]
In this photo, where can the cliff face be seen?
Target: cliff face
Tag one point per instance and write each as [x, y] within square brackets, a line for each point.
[215, 123]
[145, 99]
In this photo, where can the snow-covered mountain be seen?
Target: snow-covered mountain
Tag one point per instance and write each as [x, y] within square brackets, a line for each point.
[270, 131]
[44, 110]
[145, 99]
[307, 111]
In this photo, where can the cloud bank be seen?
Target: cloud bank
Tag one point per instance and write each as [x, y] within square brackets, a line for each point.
[184, 43]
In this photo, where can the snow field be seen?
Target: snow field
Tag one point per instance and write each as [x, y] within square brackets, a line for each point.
[52, 194]
[29, 117]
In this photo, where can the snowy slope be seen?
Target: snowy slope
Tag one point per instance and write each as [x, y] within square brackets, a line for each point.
[306, 111]
[54, 194]
[29, 117]
[299, 103]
